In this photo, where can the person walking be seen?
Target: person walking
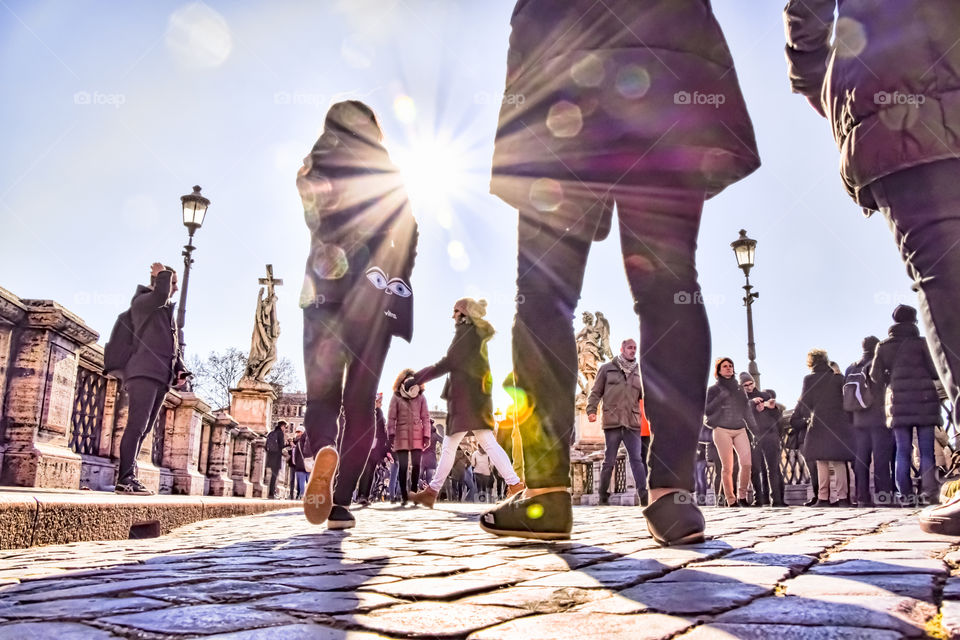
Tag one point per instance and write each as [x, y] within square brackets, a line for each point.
[482, 476]
[888, 85]
[767, 478]
[356, 296]
[408, 430]
[378, 451]
[634, 106]
[467, 392]
[153, 368]
[428, 459]
[619, 388]
[299, 461]
[828, 441]
[274, 446]
[872, 438]
[730, 413]
[902, 364]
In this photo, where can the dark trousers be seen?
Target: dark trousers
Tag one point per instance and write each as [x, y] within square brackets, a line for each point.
[767, 477]
[145, 401]
[658, 238]
[922, 207]
[484, 485]
[904, 460]
[413, 458]
[366, 478]
[274, 466]
[330, 348]
[634, 446]
[876, 441]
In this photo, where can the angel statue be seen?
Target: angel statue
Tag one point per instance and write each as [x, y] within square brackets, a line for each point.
[266, 330]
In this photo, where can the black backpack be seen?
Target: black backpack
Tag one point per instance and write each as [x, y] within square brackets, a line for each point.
[273, 441]
[121, 345]
[857, 390]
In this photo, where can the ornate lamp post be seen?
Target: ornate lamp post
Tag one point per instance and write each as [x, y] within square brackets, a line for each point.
[194, 209]
[743, 248]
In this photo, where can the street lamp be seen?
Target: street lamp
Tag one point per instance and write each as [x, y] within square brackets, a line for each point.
[194, 209]
[743, 248]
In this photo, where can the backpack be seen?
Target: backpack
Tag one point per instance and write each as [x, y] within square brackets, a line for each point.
[272, 444]
[121, 345]
[857, 391]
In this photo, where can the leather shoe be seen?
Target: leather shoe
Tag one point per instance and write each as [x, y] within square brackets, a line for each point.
[943, 518]
[674, 519]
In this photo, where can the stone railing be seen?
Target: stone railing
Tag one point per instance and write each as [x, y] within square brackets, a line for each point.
[62, 418]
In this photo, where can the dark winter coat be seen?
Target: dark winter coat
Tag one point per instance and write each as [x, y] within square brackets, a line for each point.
[467, 391]
[766, 421]
[890, 82]
[363, 234]
[274, 447]
[903, 362]
[620, 395]
[727, 406]
[829, 434]
[408, 424]
[873, 415]
[381, 445]
[157, 354]
[428, 459]
[619, 91]
[297, 453]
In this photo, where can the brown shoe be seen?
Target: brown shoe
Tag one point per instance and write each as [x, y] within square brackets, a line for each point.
[426, 498]
[318, 494]
[514, 489]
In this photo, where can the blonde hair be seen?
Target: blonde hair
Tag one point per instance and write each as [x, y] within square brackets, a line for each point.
[406, 373]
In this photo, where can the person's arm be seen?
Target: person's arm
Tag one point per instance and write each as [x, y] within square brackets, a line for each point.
[425, 421]
[802, 411]
[878, 368]
[809, 26]
[392, 419]
[457, 353]
[599, 384]
[715, 397]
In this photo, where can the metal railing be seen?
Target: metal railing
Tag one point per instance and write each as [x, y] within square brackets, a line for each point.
[87, 422]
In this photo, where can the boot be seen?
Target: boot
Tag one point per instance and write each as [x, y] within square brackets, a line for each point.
[426, 498]
[514, 489]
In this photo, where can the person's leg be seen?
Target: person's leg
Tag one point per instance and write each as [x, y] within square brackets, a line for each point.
[904, 450]
[863, 445]
[883, 445]
[498, 457]
[612, 437]
[922, 207]
[145, 401]
[448, 452]
[471, 485]
[394, 479]
[658, 239]
[741, 443]
[772, 454]
[840, 470]
[272, 487]
[761, 491]
[365, 484]
[402, 458]
[415, 469]
[301, 482]
[723, 439]
[928, 464]
[324, 358]
[823, 474]
[634, 446]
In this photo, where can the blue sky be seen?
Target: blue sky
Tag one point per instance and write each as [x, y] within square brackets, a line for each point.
[114, 110]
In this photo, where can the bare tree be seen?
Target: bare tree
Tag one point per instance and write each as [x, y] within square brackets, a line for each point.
[220, 371]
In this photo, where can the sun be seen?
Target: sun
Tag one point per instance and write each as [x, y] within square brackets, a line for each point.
[433, 170]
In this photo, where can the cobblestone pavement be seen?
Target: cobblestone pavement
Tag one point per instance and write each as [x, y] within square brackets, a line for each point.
[766, 573]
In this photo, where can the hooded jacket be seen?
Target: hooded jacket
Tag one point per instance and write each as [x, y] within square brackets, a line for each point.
[408, 422]
[157, 354]
[889, 82]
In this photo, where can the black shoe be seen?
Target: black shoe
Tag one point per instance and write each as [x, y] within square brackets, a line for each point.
[604, 500]
[675, 519]
[132, 487]
[340, 518]
[777, 505]
[548, 516]
[811, 502]
[644, 499]
[822, 504]
[743, 503]
[844, 503]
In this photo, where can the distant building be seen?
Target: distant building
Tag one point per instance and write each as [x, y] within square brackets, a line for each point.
[290, 407]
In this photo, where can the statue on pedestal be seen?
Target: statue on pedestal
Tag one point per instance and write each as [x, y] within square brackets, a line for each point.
[593, 347]
[266, 330]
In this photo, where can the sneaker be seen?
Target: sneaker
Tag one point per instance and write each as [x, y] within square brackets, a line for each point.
[318, 495]
[340, 518]
[674, 519]
[548, 516]
[943, 519]
[132, 487]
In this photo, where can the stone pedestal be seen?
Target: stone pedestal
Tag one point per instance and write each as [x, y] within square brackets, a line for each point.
[220, 458]
[586, 432]
[242, 463]
[251, 405]
[44, 352]
[182, 442]
[257, 477]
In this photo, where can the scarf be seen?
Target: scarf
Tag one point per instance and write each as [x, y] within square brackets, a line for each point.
[627, 366]
[408, 394]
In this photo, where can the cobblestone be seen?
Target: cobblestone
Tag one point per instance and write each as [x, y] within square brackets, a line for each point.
[414, 573]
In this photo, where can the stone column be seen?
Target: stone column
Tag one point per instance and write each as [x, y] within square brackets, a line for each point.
[220, 458]
[39, 397]
[12, 313]
[182, 442]
[258, 478]
[242, 452]
[251, 405]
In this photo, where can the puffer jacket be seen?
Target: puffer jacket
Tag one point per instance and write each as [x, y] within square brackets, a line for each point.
[620, 395]
[619, 91]
[903, 363]
[889, 83]
[829, 435]
[408, 424]
[727, 406]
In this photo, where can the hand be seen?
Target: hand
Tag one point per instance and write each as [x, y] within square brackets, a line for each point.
[156, 268]
[592, 417]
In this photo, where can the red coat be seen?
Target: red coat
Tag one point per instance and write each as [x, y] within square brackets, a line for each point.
[408, 424]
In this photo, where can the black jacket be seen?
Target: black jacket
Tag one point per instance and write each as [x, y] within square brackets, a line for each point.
[829, 434]
[157, 354]
[873, 415]
[276, 441]
[727, 406]
[767, 421]
[903, 362]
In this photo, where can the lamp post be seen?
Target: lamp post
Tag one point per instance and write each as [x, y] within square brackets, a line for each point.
[194, 209]
[743, 248]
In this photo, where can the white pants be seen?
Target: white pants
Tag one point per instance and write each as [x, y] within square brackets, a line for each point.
[489, 443]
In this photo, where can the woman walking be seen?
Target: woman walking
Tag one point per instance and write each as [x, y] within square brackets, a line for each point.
[356, 296]
[829, 439]
[408, 429]
[729, 412]
[467, 392]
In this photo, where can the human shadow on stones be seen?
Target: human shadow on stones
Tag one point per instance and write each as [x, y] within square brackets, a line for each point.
[714, 585]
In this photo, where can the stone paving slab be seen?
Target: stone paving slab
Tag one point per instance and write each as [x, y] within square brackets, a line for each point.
[415, 573]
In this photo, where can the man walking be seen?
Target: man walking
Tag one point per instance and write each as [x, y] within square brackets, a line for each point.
[155, 365]
[618, 386]
[767, 478]
[274, 448]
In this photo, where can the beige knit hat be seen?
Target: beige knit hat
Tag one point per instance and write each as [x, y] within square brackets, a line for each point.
[473, 309]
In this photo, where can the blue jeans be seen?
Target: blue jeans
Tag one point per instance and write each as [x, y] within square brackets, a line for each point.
[928, 467]
[634, 445]
[301, 478]
[394, 480]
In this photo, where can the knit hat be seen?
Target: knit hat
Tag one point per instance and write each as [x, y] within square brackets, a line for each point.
[473, 309]
[300, 429]
[870, 343]
[746, 377]
[905, 313]
[716, 366]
